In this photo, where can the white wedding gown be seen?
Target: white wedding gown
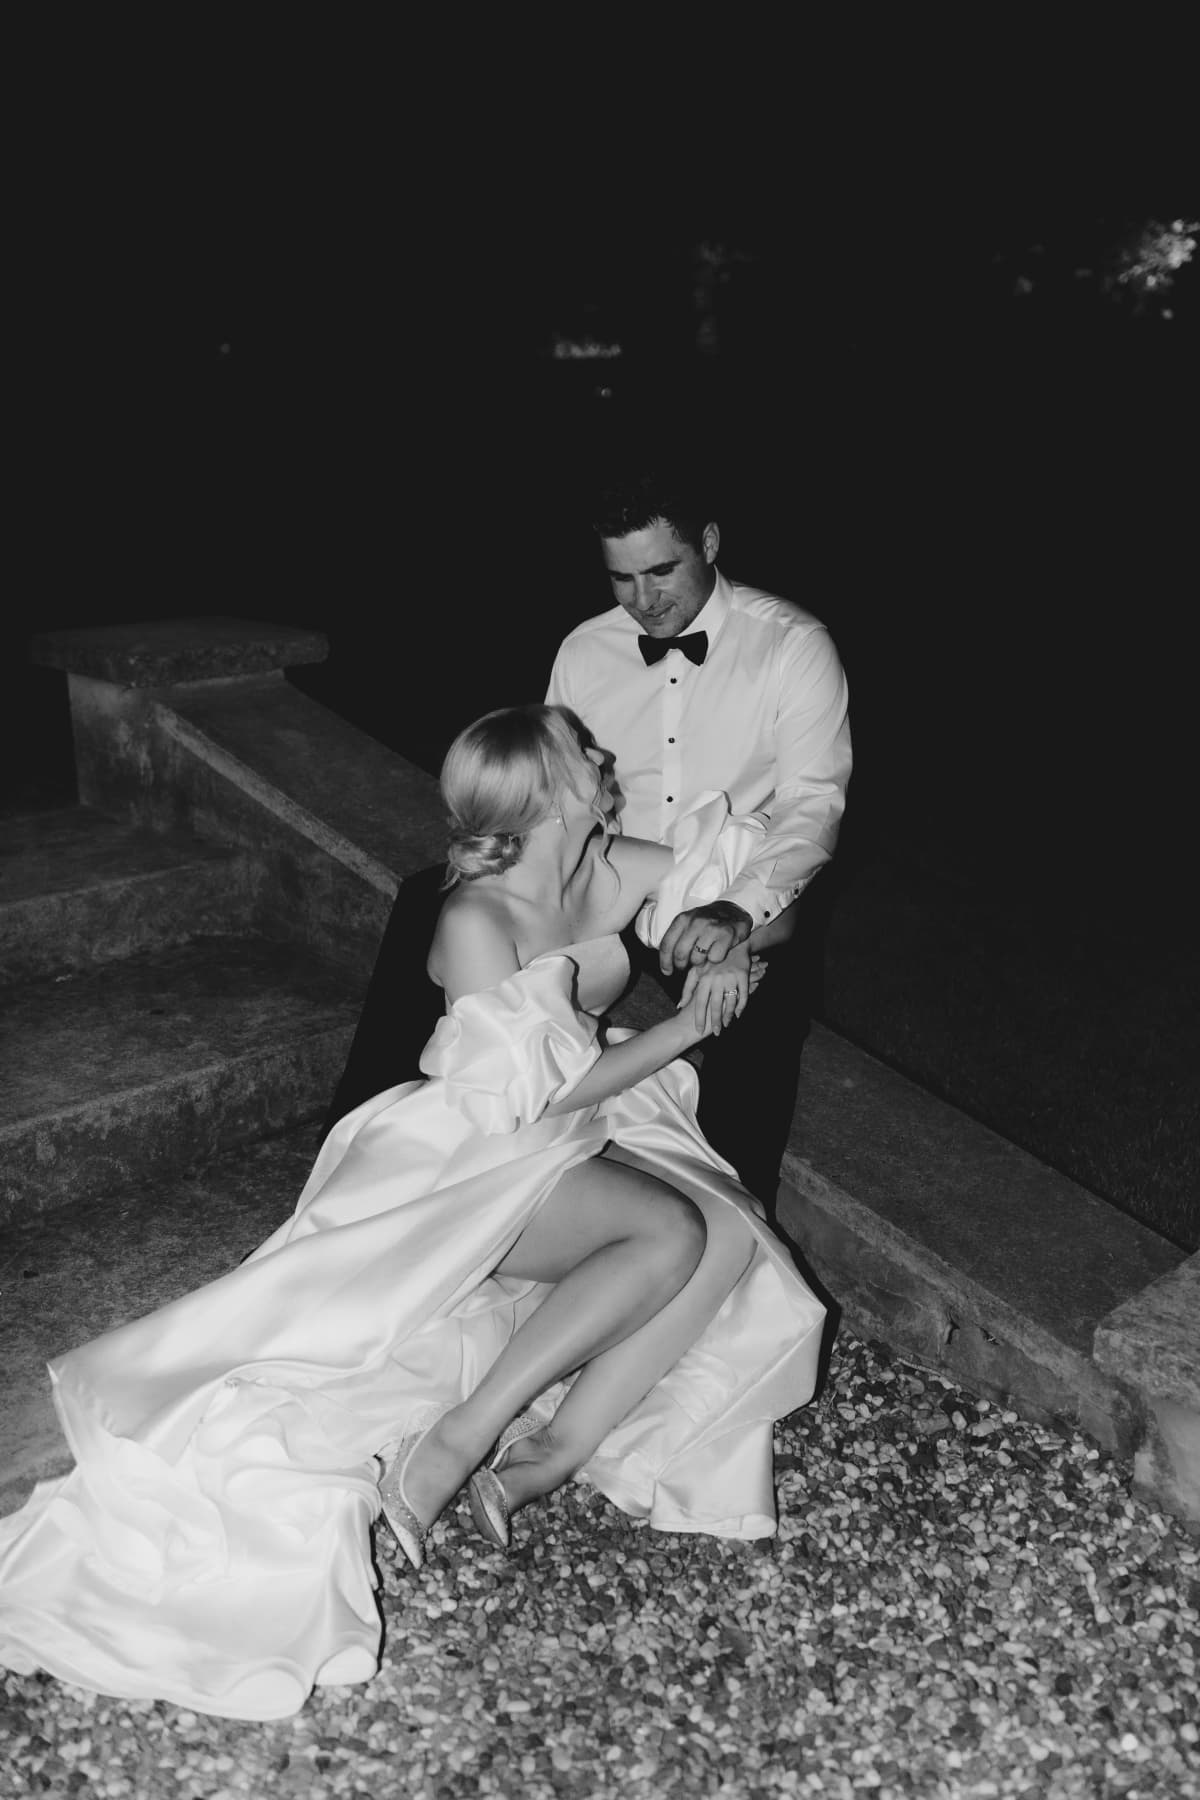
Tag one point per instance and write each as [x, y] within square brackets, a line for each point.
[211, 1546]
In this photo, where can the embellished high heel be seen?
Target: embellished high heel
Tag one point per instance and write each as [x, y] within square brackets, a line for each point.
[485, 1491]
[409, 1530]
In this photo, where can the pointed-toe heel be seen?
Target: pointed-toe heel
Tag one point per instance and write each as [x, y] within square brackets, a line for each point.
[523, 1426]
[409, 1530]
[489, 1508]
[485, 1491]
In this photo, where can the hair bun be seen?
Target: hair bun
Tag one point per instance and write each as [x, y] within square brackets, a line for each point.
[471, 854]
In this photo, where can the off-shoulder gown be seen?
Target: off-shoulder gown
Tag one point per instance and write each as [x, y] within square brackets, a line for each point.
[211, 1545]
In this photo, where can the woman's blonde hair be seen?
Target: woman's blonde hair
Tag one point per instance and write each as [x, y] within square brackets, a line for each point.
[502, 776]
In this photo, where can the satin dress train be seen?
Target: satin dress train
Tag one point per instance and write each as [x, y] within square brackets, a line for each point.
[212, 1544]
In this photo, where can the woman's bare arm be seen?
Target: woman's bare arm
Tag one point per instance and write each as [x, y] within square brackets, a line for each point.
[639, 865]
[622, 1066]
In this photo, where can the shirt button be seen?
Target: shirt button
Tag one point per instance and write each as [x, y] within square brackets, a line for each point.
[670, 796]
[670, 740]
[673, 678]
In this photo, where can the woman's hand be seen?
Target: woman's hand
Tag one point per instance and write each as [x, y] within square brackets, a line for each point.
[717, 992]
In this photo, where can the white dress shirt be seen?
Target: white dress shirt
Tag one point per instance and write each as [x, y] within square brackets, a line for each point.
[764, 719]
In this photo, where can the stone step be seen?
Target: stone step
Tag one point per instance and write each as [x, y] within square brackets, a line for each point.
[145, 1064]
[68, 1275]
[78, 888]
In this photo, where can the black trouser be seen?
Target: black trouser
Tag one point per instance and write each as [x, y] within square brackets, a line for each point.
[749, 1074]
[401, 1006]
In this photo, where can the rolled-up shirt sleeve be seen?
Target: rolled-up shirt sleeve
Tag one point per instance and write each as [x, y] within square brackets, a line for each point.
[812, 771]
[710, 846]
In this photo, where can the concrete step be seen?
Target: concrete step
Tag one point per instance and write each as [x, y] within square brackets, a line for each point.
[67, 1276]
[145, 1064]
[78, 888]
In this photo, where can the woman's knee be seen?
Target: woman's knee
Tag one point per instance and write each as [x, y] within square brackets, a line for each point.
[674, 1231]
[730, 1246]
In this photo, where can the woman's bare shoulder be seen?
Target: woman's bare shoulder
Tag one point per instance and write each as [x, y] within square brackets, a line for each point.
[640, 863]
[473, 942]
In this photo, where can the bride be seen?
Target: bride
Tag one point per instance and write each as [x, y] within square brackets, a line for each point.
[528, 1266]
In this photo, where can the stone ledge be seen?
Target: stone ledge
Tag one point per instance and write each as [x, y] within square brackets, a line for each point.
[961, 1251]
[1166, 1464]
[332, 818]
[885, 1285]
[1046, 1248]
[358, 800]
[1153, 1339]
[162, 653]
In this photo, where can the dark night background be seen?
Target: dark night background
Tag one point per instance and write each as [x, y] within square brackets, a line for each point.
[287, 311]
[987, 499]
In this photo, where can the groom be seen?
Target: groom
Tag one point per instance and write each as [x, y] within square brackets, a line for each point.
[695, 682]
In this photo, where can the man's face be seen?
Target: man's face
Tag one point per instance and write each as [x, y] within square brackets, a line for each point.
[659, 580]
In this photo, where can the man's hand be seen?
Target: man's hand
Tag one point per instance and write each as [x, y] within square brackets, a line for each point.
[705, 935]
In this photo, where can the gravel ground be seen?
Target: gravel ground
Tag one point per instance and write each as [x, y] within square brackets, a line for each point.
[957, 1603]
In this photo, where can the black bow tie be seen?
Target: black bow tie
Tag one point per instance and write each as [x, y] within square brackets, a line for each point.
[694, 647]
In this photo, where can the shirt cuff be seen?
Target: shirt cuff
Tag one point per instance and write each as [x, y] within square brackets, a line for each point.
[761, 902]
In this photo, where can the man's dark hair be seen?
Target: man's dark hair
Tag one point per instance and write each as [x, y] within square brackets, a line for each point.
[633, 502]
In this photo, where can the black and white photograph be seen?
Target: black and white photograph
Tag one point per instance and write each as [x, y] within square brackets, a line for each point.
[599, 996]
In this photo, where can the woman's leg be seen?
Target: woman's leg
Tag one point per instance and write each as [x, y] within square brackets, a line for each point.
[616, 1379]
[618, 1244]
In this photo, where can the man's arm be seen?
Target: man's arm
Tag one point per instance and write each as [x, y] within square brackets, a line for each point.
[812, 770]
